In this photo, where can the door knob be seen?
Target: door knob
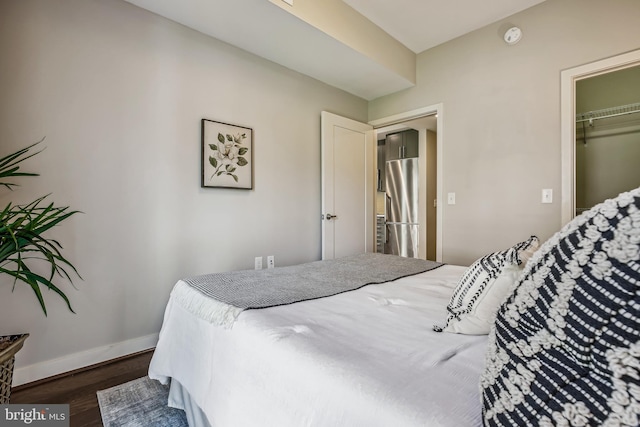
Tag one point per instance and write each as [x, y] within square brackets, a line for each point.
[330, 217]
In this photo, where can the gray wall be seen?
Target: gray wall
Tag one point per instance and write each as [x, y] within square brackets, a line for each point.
[119, 94]
[502, 116]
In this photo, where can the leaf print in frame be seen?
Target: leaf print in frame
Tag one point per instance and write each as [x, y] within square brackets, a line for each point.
[227, 155]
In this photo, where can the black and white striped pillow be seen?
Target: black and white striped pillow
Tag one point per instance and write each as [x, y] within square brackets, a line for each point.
[483, 287]
[565, 349]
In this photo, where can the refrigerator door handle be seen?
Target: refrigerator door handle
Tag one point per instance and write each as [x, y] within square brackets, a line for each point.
[387, 207]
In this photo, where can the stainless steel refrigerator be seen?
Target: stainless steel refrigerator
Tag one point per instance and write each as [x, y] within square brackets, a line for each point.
[402, 227]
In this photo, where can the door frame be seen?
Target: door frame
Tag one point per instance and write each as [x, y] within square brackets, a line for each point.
[437, 109]
[568, 79]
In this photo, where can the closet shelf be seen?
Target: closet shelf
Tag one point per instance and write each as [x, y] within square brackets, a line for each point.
[605, 113]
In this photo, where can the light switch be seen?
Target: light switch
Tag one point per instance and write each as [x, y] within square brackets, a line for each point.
[451, 198]
[547, 195]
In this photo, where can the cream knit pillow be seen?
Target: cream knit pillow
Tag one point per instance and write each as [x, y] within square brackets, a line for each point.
[483, 288]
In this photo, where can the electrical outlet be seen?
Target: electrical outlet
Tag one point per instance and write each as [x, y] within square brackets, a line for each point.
[258, 263]
[271, 262]
[547, 195]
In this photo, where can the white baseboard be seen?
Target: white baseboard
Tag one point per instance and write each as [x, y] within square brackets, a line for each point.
[79, 360]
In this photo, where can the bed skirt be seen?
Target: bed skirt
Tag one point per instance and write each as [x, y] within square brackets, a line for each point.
[179, 398]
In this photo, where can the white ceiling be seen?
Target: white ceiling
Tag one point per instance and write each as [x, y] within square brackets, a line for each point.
[266, 30]
[423, 24]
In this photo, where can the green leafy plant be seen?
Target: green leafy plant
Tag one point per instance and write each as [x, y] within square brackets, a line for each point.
[22, 242]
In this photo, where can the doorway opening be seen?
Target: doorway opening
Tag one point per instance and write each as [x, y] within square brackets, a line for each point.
[607, 136]
[426, 125]
[569, 81]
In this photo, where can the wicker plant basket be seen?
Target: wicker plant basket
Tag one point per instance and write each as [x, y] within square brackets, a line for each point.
[9, 346]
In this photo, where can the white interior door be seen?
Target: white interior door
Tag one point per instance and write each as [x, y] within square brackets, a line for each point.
[348, 186]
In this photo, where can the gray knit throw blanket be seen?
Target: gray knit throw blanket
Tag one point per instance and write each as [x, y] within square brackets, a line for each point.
[220, 297]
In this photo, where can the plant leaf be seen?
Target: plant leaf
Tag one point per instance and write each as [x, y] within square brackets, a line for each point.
[214, 147]
[242, 151]
[242, 161]
[10, 165]
[235, 177]
[22, 237]
[220, 137]
[213, 161]
[229, 138]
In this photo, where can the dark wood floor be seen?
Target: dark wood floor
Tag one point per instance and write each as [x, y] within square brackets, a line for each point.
[79, 388]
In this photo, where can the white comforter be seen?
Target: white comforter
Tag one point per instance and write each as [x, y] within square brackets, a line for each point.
[363, 358]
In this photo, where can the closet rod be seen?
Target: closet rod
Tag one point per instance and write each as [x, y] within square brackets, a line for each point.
[605, 113]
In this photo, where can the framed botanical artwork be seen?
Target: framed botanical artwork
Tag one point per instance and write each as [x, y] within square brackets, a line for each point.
[227, 155]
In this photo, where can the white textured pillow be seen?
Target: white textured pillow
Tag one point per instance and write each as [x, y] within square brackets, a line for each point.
[483, 288]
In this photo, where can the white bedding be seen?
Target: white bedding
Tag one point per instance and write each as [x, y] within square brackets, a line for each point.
[362, 358]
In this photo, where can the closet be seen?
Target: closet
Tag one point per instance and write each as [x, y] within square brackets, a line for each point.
[607, 136]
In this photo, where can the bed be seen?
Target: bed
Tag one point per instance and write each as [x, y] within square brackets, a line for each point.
[364, 357]
[528, 335]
